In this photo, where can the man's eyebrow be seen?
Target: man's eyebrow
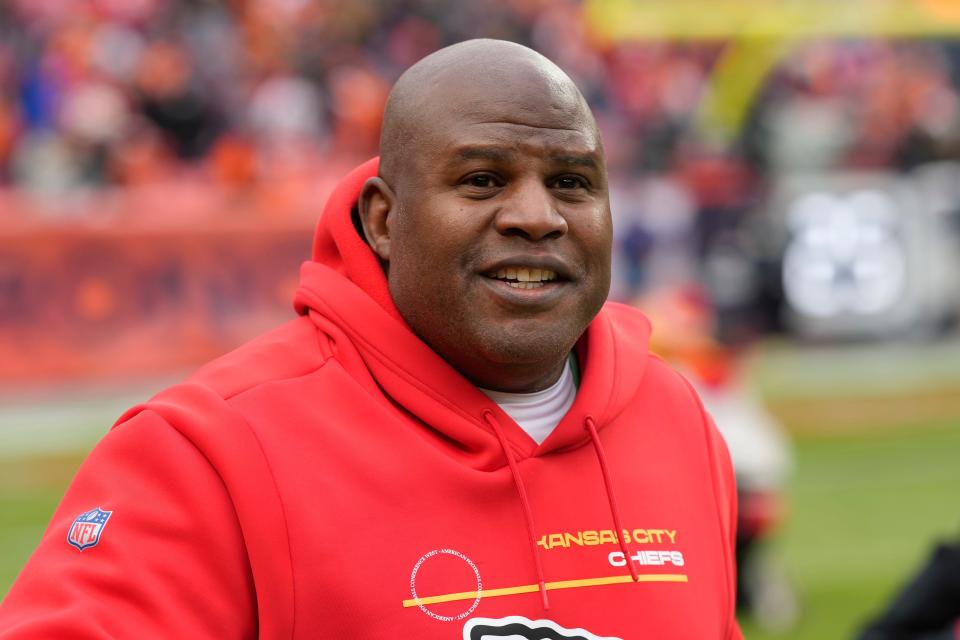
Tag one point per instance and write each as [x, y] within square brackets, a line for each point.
[483, 153]
[575, 159]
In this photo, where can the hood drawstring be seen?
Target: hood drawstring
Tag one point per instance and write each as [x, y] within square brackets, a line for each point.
[524, 501]
[595, 437]
[591, 428]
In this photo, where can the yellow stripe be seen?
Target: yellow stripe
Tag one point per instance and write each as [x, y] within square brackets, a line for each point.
[530, 588]
[626, 20]
[736, 80]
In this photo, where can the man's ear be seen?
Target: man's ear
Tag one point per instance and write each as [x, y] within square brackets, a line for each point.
[376, 206]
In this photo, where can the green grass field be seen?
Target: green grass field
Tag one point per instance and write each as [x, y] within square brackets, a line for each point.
[865, 510]
[30, 489]
[867, 501]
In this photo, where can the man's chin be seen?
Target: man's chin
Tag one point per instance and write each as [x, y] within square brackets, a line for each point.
[521, 346]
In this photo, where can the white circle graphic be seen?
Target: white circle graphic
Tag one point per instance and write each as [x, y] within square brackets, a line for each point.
[416, 598]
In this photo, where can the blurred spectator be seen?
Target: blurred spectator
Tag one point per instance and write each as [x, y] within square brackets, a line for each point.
[170, 99]
[77, 79]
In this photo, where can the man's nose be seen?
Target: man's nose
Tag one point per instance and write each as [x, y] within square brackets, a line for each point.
[530, 211]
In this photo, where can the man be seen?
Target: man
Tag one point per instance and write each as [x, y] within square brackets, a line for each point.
[454, 439]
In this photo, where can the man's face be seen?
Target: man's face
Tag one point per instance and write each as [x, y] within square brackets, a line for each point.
[500, 242]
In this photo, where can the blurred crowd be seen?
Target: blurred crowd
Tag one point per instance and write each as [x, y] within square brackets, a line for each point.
[103, 92]
[246, 94]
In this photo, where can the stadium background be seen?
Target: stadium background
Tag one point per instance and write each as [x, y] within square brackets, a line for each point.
[162, 164]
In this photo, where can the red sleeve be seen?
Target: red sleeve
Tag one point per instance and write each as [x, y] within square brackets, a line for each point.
[169, 559]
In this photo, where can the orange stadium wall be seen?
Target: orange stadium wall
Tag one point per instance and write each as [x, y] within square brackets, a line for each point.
[81, 302]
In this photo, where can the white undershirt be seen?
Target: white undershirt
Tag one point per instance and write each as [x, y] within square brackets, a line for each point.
[538, 412]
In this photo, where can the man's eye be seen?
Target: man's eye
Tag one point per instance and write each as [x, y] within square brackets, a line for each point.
[569, 182]
[481, 180]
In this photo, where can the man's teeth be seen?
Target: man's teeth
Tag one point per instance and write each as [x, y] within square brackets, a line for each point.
[525, 277]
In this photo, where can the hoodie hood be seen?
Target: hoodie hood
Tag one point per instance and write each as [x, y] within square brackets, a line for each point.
[344, 290]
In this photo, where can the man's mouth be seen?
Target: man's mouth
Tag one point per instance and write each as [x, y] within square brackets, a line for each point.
[523, 277]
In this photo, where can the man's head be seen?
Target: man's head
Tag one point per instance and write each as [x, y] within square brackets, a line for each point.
[490, 212]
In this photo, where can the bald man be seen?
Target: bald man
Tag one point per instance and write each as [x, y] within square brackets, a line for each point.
[455, 438]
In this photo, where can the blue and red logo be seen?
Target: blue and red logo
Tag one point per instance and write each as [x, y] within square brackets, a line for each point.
[86, 530]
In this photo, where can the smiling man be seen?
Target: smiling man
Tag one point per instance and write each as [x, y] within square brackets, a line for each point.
[455, 438]
[491, 205]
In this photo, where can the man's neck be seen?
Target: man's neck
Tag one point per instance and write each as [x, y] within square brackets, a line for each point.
[520, 378]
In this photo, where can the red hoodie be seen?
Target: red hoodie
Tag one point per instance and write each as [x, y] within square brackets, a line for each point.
[335, 478]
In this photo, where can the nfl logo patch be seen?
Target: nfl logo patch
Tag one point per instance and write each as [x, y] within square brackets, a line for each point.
[86, 529]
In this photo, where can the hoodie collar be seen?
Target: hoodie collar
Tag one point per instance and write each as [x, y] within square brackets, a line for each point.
[339, 244]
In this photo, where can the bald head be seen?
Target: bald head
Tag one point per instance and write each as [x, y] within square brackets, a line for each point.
[476, 81]
[491, 174]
